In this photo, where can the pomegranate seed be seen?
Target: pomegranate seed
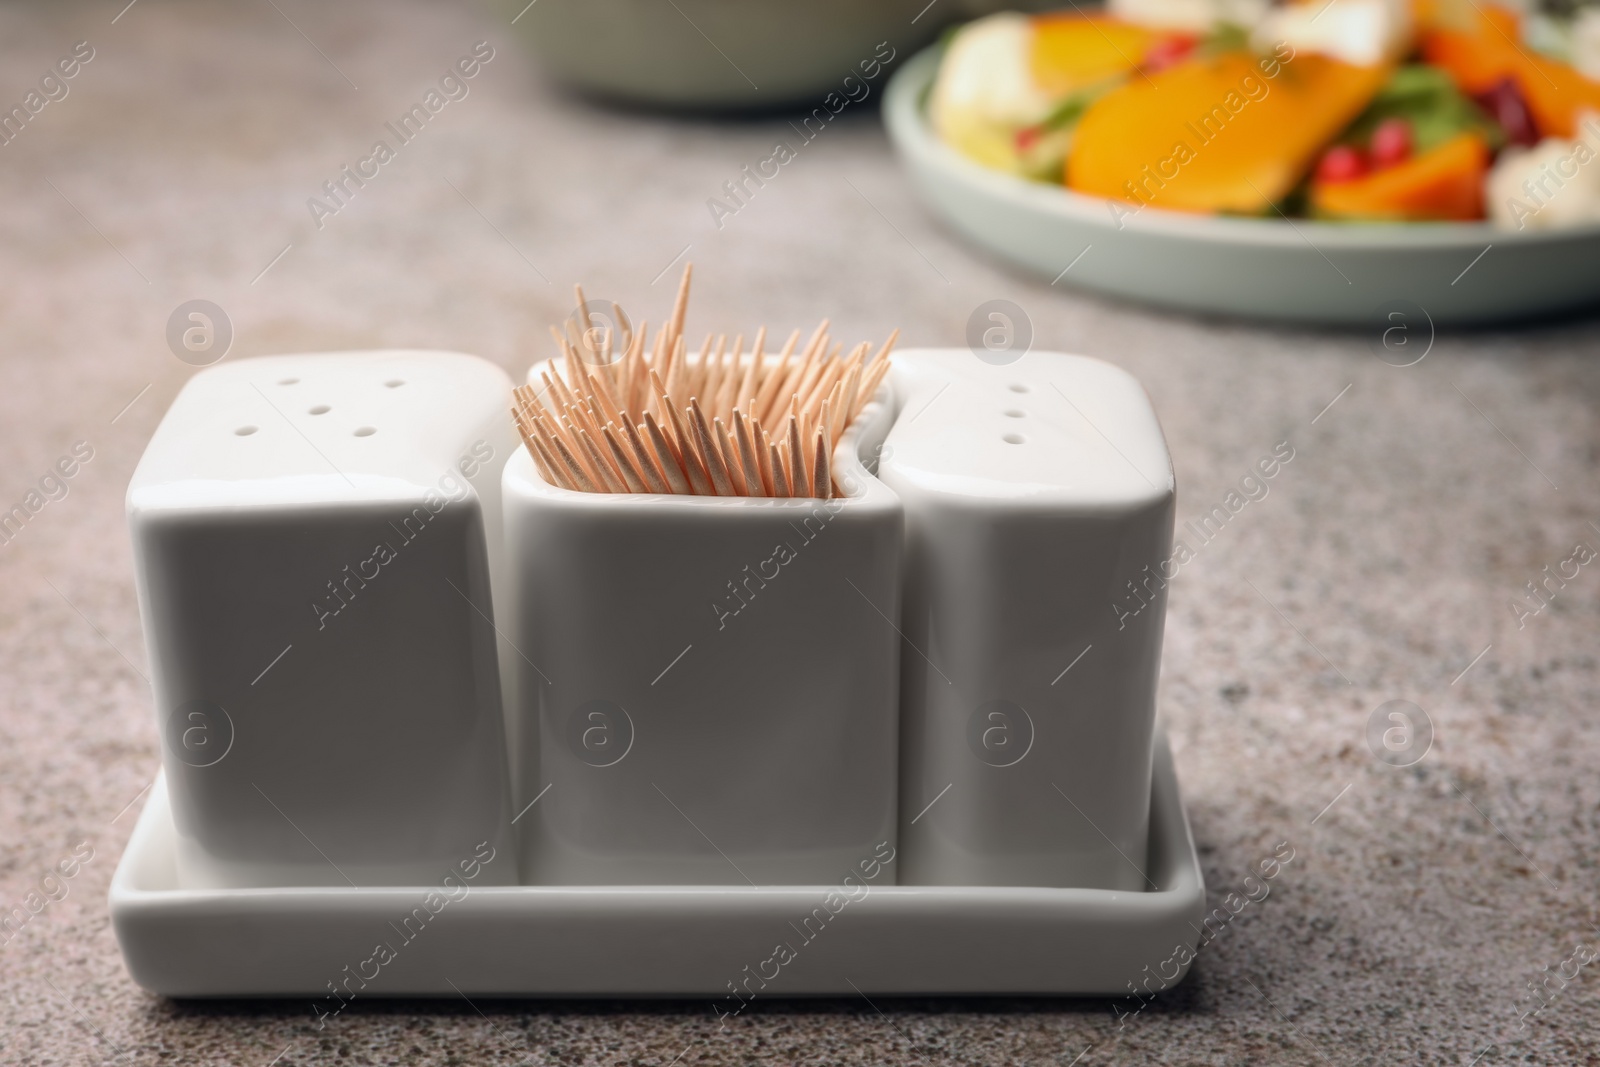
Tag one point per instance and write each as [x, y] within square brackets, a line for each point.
[1168, 52]
[1507, 106]
[1391, 142]
[1342, 163]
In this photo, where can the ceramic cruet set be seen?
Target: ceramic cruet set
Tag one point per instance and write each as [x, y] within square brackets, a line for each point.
[394, 640]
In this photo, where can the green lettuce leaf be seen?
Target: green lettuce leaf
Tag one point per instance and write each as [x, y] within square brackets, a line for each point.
[1427, 98]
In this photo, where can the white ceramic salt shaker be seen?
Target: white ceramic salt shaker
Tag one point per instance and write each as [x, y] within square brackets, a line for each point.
[312, 539]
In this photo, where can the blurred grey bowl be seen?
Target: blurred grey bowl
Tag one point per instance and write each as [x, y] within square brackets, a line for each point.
[723, 55]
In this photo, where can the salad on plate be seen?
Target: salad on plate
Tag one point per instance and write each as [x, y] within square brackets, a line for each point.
[1340, 110]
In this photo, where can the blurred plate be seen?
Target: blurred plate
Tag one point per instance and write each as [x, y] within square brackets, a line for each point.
[1294, 270]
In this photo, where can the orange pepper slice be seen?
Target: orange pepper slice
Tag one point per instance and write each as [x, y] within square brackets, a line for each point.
[1488, 49]
[1073, 52]
[1442, 184]
[1217, 134]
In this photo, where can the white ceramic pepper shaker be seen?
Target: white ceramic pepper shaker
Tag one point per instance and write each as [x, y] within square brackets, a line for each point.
[1039, 507]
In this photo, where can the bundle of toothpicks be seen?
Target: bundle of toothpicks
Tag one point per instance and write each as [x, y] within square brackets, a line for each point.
[618, 415]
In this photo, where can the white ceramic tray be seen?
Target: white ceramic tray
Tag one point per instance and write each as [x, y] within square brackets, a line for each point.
[1296, 270]
[675, 941]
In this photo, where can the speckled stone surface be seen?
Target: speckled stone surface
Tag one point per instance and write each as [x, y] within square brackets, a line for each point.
[1383, 564]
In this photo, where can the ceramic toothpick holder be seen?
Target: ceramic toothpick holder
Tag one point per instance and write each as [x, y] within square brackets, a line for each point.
[706, 688]
[312, 539]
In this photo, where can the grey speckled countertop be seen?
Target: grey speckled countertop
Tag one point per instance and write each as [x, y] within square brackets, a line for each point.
[1383, 564]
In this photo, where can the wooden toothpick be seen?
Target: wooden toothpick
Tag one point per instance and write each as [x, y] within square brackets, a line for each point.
[618, 411]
